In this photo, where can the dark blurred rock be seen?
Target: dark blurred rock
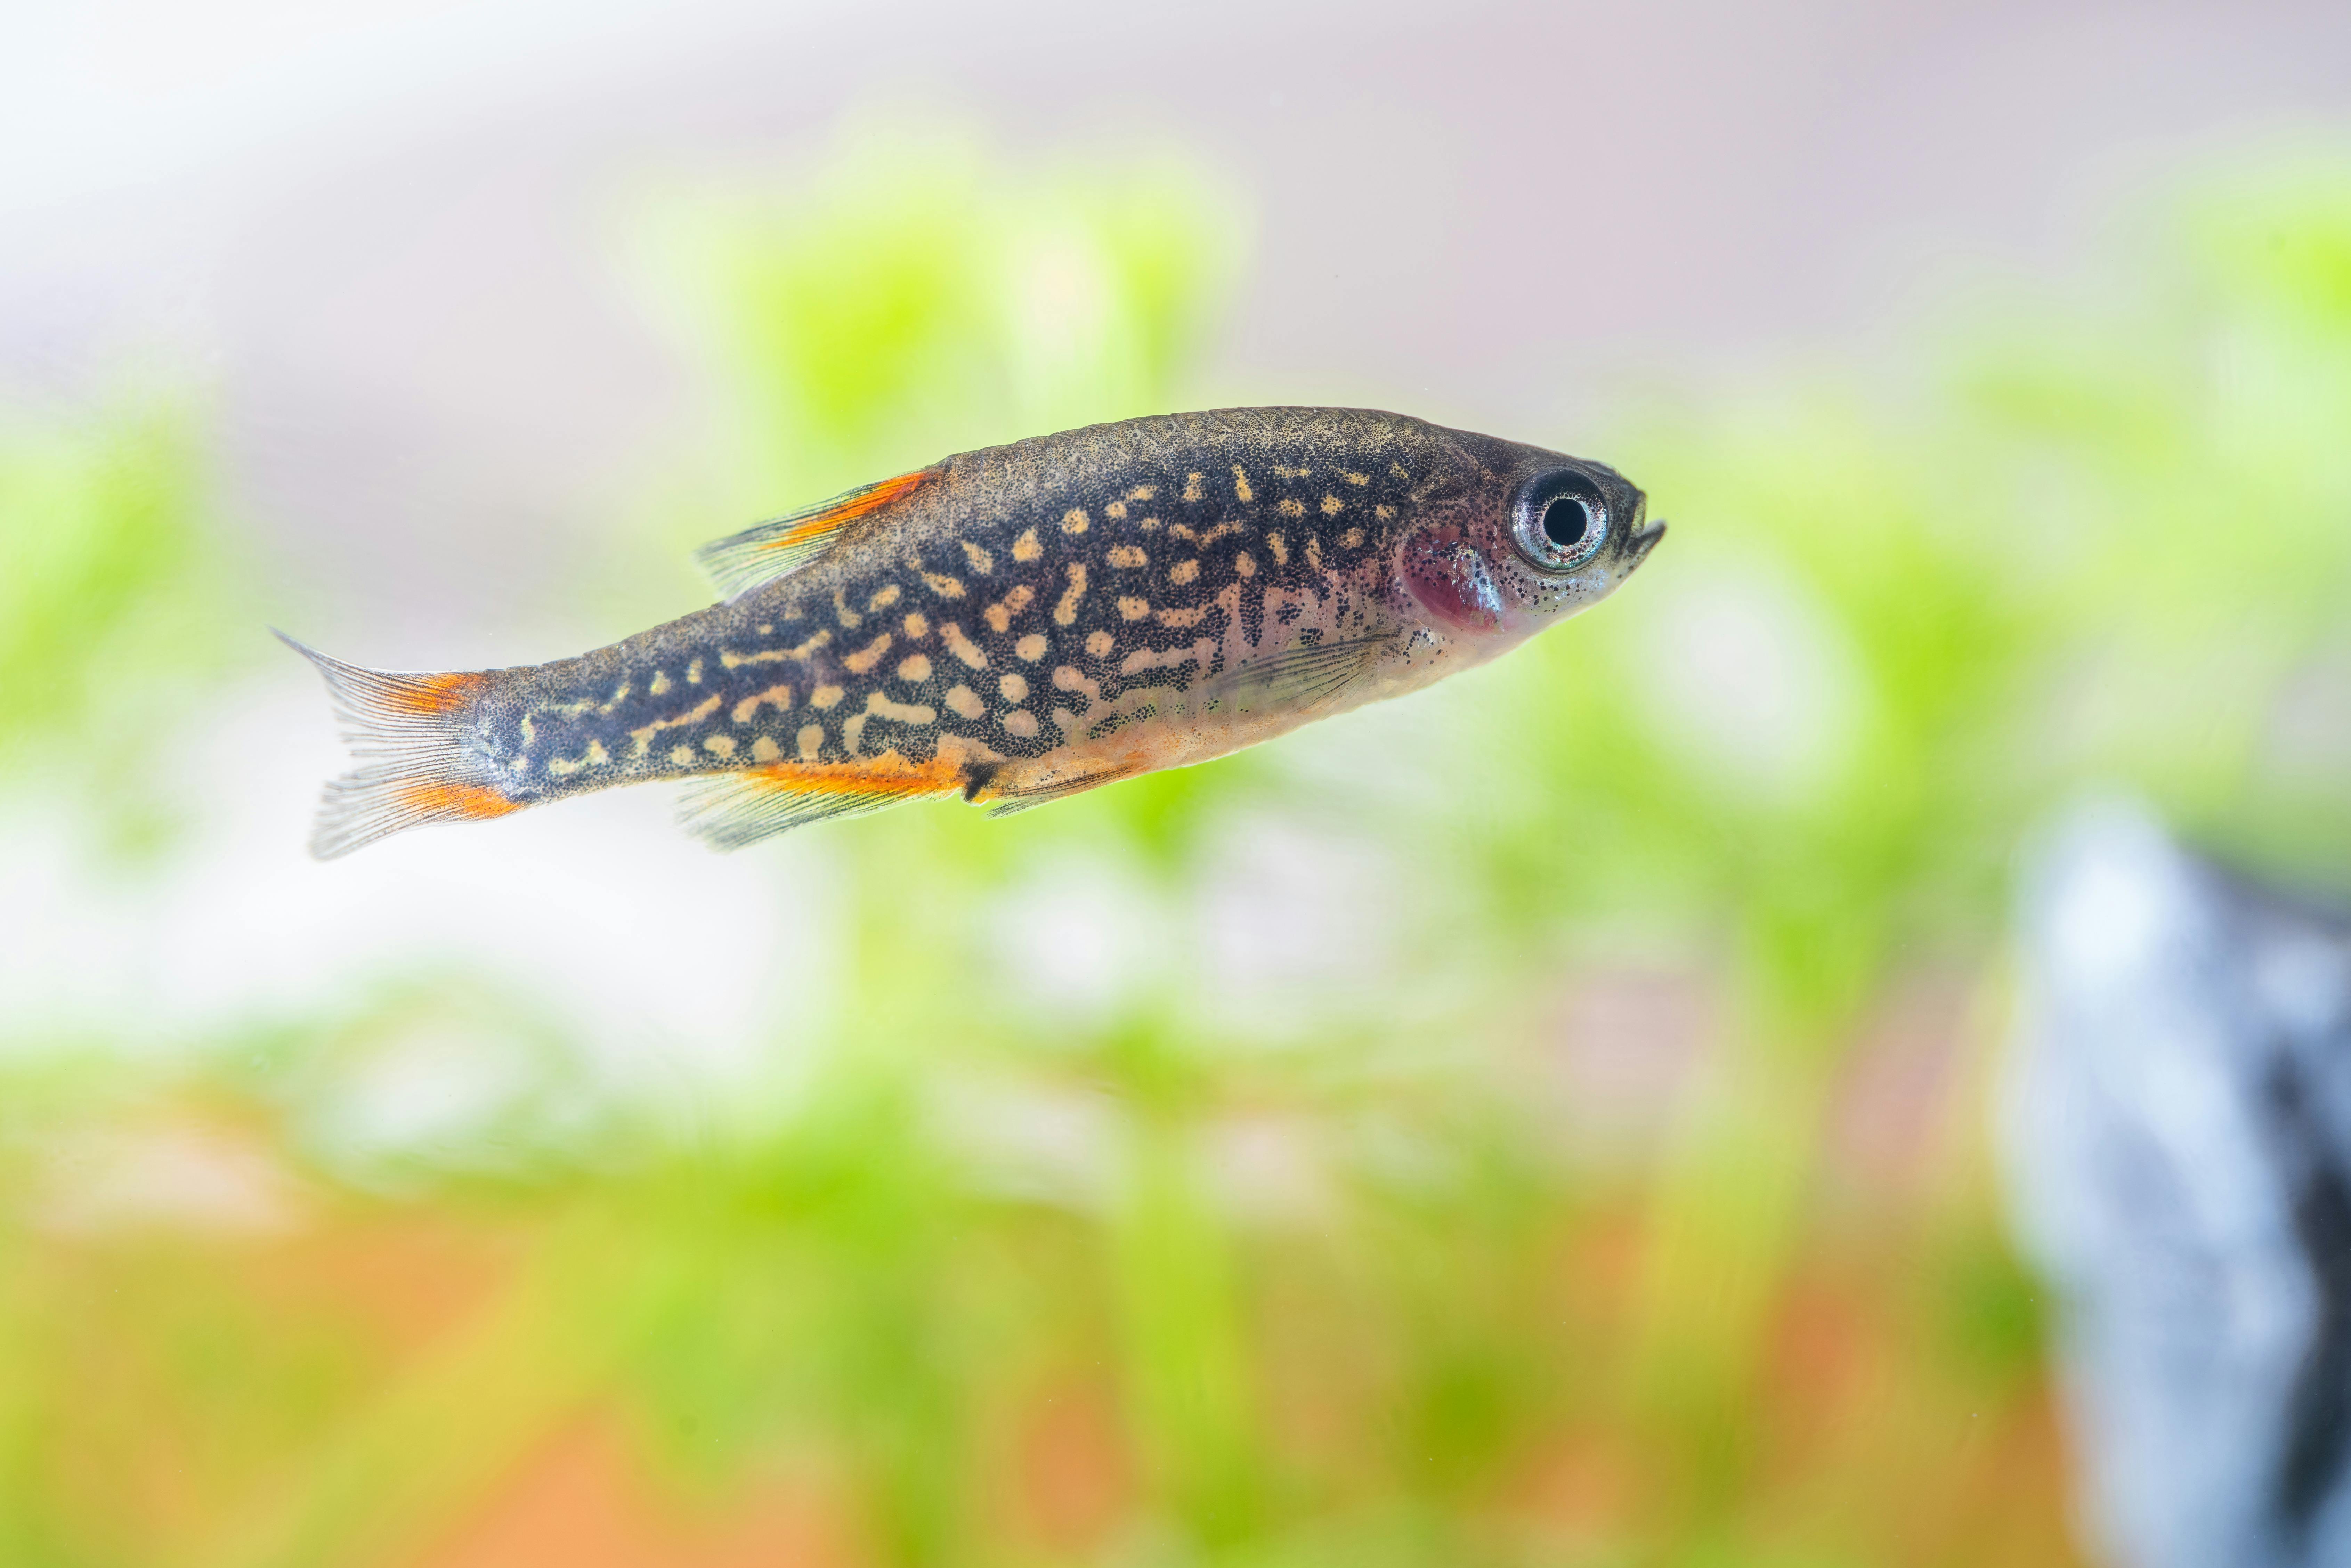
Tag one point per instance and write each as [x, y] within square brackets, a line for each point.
[2177, 1138]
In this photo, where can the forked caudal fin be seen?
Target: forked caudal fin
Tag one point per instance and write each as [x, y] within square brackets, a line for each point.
[409, 739]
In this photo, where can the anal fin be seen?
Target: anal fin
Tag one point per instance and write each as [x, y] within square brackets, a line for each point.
[783, 545]
[730, 810]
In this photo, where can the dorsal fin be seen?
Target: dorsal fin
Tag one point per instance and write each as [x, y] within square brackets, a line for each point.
[785, 544]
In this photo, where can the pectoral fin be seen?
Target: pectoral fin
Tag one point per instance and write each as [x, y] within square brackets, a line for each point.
[1302, 676]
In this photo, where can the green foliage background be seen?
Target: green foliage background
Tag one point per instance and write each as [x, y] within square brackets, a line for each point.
[2076, 546]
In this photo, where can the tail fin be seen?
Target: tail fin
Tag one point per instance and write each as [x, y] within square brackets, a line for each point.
[408, 737]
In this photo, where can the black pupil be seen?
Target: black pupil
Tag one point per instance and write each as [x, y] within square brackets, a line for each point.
[1566, 521]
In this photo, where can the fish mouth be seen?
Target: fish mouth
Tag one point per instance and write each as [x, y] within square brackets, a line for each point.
[1638, 548]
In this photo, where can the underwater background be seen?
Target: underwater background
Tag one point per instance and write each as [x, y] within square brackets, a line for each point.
[1543, 1121]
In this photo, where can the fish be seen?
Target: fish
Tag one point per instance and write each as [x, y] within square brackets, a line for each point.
[1021, 625]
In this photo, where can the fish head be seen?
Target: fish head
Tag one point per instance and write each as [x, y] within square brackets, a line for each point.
[1538, 538]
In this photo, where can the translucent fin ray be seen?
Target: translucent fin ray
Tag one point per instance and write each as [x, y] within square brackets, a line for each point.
[411, 765]
[781, 546]
[1302, 676]
[731, 811]
[1009, 802]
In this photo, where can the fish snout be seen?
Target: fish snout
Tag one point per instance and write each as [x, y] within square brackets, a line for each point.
[1637, 547]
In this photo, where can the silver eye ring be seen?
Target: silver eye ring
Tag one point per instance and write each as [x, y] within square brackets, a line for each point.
[1562, 520]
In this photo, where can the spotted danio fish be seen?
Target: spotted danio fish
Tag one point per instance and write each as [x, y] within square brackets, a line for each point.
[1018, 625]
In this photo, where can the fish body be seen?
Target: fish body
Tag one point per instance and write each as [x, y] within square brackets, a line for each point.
[1021, 623]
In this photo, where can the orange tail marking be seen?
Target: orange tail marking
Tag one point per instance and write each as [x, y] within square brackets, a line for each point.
[431, 695]
[441, 801]
[851, 507]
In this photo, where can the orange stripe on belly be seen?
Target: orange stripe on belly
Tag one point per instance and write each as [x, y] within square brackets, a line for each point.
[879, 777]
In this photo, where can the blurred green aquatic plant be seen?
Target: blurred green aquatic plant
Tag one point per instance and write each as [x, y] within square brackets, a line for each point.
[114, 582]
[1014, 1279]
[912, 292]
[2113, 554]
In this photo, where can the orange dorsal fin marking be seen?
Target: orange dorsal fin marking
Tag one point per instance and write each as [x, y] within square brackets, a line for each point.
[843, 510]
[783, 545]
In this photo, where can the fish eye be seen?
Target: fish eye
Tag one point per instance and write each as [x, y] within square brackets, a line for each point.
[1566, 520]
[1562, 520]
